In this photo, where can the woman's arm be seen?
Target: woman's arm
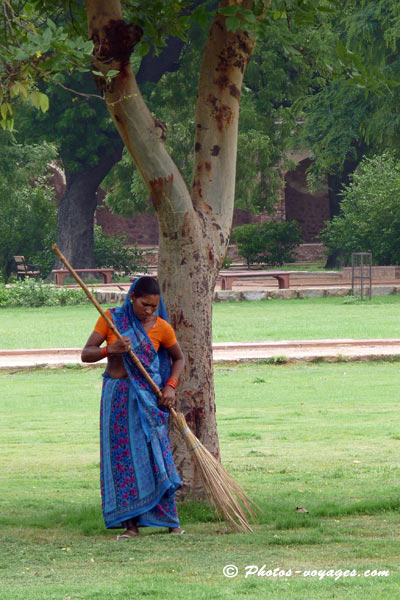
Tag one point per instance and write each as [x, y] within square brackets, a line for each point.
[93, 353]
[178, 363]
[178, 360]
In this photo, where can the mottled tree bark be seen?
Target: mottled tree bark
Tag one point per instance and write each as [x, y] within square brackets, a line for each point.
[194, 225]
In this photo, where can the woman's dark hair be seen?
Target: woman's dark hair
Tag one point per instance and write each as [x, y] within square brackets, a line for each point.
[146, 286]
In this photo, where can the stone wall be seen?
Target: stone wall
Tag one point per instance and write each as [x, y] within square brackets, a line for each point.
[142, 229]
[310, 210]
[310, 253]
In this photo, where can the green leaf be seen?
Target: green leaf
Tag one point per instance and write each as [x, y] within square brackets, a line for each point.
[250, 17]
[341, 51]
[44, 102]
[40, 100]
[143, 49]
[233, 23]
[28, 9]
[47, 36]
[51, 25]
[229, 10]
[200, 16]
[325, 9]
[35, 99]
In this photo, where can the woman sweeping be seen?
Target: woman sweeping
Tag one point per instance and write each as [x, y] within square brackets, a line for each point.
[138, 475]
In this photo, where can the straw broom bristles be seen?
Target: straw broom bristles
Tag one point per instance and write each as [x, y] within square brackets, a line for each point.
[229, 499]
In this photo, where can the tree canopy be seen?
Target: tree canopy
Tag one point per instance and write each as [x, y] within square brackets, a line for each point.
[355, 111]
[369, 218]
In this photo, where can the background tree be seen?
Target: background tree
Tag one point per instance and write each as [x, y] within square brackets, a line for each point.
[354, 112]
[369, 218]
[89, 146]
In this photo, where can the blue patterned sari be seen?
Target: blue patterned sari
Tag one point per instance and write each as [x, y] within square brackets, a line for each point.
[137, 473]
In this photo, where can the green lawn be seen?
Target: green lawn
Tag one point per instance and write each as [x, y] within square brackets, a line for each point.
[70, 326]
[321, 436]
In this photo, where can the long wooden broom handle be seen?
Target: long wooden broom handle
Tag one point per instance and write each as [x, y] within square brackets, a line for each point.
[89, 294]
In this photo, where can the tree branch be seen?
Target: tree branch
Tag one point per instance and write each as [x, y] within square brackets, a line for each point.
[142, 134]
[217, 113]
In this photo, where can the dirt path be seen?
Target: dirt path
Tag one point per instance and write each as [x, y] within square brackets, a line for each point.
[292, 351]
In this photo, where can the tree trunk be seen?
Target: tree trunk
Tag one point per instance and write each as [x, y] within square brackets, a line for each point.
[77, 208]
[194, 227]
[187, 274]
[191, 255]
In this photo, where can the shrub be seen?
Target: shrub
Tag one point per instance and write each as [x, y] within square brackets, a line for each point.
[45, 257]
[269, 243]
[27, 212]
[369, 218]
[27, 217]
[31, 292]
[112, 251]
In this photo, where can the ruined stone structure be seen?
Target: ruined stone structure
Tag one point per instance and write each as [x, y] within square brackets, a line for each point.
[297, 203]
[310, 210]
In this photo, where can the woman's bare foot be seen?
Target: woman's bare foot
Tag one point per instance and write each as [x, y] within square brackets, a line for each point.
[176, 530]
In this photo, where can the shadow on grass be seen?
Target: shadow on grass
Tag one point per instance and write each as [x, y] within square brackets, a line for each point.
[87, 519]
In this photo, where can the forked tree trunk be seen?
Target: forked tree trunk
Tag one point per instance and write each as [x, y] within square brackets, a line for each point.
[195, 225]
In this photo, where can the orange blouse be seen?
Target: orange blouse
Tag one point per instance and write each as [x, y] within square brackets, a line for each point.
[161, 334]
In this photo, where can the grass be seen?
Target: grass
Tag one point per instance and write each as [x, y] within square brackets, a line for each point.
[314, 318]
[311, 318]
[323, 436]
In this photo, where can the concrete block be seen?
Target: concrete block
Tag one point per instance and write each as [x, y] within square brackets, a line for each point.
[383, 290]
[282, 294]
[252, 295]
[311, 293]
[339, 291]
[100, 296]
[227, 296]
[109, 296]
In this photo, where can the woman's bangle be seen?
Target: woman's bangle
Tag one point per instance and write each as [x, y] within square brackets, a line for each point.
[173, 382]
[104, 351]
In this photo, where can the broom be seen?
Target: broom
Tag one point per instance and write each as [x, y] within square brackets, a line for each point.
[229, 499]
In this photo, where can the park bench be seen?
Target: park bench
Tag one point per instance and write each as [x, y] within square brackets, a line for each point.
[228, 277]
[60, 274]
[24, 269]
